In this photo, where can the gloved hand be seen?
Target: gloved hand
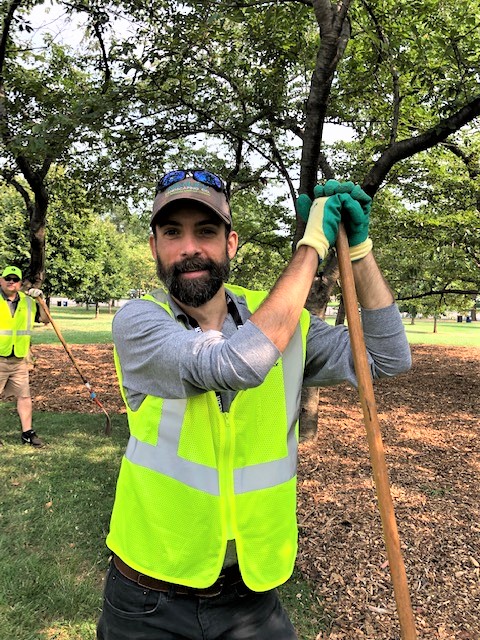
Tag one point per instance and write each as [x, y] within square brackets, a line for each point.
[322, 218]
[338, 200]
[34, 293]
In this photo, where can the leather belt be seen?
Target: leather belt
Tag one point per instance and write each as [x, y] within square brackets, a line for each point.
[228, 578]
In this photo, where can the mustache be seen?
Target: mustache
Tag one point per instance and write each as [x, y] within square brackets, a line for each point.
[193, 264]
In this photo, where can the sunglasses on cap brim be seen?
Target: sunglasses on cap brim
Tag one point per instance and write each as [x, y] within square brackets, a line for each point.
[200, 175]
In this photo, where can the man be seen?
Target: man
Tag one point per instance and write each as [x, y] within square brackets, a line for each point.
[203, 527]
[17, 315]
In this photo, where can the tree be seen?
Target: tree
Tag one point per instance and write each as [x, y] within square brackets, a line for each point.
[86, 258]
[107, 277]
[430, 248]
[52, 103]
[280, 86]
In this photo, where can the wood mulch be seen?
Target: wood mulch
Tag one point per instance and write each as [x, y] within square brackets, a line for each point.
[430, 421]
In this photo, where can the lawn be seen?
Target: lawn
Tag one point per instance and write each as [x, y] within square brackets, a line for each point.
[449, 332]
[77, 325]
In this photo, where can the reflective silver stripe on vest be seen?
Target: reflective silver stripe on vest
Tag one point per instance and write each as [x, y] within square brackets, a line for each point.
[163, 458]
[23, 332]
[28, 332]
[270, 474]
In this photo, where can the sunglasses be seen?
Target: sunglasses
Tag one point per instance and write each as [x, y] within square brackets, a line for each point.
[11, 279]
[200, 175]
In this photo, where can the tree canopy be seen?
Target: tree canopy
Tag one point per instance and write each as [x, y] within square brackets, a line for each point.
[248, 89]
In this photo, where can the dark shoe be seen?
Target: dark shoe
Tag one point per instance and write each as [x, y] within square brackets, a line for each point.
[30, 437]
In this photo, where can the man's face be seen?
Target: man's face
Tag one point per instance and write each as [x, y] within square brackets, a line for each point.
[10, 284]
[192, 254]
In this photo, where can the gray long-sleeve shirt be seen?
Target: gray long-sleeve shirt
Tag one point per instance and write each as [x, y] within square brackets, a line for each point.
[159, 357]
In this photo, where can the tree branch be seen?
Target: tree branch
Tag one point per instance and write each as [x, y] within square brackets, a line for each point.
[441, 292]
[410, 146]
[7, 23]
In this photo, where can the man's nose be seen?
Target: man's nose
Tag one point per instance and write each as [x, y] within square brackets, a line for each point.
[191, 245]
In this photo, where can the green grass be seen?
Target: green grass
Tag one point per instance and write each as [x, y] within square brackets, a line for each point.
[449, 332]
[77, 326]
[55, 506]
[54, 511]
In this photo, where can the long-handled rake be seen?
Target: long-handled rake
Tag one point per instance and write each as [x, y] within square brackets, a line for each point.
[93, 395]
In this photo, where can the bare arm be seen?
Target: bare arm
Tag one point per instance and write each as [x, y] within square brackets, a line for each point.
[373, 291]
[278, 315]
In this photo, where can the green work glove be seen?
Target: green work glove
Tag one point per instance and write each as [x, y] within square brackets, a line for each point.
[355, 207]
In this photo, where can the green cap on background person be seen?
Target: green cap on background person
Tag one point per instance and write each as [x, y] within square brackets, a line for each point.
[12, 271]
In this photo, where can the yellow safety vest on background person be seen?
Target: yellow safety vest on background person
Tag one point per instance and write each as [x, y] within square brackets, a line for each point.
[16, 331]
[194, 477]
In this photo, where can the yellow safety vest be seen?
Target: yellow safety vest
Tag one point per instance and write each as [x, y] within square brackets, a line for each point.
[194, 477]
[16, 331]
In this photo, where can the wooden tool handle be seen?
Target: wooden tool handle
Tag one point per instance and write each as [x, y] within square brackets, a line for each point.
[375, 444]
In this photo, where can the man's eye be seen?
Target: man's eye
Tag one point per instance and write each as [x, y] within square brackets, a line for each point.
[170, 232]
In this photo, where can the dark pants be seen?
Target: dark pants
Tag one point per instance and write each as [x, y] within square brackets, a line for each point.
[131, 612]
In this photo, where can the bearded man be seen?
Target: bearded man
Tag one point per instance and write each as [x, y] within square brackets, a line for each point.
[204, 526]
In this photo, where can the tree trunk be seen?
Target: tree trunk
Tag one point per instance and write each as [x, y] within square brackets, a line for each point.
[334, 29]
[317, 301]
[38, 217]
[323, 286]
[340, 319]
[309, 413]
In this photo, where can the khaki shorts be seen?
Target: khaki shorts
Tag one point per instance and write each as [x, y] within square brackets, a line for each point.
[14, 377]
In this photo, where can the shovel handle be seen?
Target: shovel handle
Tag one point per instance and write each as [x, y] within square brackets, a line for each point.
[375, 444]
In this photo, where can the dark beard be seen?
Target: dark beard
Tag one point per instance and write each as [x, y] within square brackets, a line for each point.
[195, 292]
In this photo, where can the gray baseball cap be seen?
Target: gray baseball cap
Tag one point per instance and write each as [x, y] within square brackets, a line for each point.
[191, 189]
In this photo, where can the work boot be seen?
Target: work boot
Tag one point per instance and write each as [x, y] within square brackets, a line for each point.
[30, 437]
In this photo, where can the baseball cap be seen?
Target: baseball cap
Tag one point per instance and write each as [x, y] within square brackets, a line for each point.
[192, 189]
[12, 271]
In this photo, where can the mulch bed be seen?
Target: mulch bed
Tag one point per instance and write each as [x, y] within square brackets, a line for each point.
[430, 420]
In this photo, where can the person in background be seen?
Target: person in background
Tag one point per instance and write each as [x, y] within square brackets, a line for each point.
[203, 527]
[18, 312]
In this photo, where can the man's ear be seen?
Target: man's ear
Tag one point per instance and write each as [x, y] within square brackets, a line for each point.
[153, 246]
[232, 244]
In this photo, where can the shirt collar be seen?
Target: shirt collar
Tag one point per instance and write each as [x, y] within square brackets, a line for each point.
[16, 299]
[182, 316]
